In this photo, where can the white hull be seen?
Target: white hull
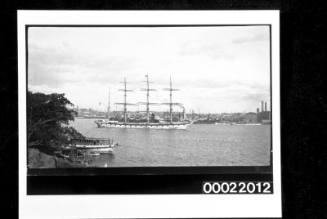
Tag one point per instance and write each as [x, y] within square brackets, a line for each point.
[142, 126]
[96, 148]
[103, 150]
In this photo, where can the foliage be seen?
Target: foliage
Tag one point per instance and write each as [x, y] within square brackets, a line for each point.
[48, 117]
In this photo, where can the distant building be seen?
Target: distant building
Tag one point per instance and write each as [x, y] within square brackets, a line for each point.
[265, 115]
[250, 118]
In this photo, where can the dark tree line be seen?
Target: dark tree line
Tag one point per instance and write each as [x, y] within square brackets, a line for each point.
[48, 116]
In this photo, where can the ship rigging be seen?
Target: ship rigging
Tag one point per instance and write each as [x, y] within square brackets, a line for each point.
[149, 122]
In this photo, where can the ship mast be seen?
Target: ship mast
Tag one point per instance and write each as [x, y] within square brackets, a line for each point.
[171, 89]
[108, 113]
[125, 90]
[171, 102]
[147, 103]
[147, 99]
[125, 103]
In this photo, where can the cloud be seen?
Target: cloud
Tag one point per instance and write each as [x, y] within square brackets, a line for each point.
[211, 50]
[56, 66]
[260, 37]
[214, 68]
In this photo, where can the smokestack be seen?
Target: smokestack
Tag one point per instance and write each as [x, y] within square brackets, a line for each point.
[261, 106]
[184, 114]
[265, 106]
[257, 110]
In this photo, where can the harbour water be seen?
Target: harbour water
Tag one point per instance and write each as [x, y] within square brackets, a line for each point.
[198, 145]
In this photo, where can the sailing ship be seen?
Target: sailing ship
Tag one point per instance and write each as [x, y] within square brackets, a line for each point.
[150, 121]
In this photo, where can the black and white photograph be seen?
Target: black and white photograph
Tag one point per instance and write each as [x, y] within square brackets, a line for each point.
[148, 96]
[143, 97]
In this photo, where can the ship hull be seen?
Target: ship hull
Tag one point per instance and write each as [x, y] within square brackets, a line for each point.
[143, 125]
[103, 150]
[98, 149]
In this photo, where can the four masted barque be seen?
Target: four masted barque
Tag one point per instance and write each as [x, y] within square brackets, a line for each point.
[150, 122]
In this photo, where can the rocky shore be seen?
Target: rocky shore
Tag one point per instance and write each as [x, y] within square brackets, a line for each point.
[38, 159]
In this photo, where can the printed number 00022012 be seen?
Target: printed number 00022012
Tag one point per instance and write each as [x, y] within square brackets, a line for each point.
[237, 187]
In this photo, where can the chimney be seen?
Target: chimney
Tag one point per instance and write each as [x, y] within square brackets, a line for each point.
[257, 110]
[262, 106]
[265, 106]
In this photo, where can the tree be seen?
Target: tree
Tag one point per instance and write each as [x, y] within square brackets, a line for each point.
[48, 117]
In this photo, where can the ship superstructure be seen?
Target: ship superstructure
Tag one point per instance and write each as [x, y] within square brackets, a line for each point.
[149, 122]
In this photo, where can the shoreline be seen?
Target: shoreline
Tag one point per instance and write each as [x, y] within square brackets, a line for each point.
[41, 160]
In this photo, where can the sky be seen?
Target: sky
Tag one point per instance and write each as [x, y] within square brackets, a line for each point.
[216, 69]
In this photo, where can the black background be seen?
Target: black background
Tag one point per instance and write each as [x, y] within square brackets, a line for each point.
[303, 102]
[136, 180]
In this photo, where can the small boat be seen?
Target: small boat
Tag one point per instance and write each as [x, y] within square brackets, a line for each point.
[94, 145]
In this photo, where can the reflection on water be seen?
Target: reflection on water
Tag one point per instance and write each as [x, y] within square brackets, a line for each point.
[199, 145]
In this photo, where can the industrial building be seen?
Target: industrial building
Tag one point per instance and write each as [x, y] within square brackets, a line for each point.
[263, 116]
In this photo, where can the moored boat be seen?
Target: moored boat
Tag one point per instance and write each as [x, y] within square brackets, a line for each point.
[149, 122]
[99, 145]
[167, 125]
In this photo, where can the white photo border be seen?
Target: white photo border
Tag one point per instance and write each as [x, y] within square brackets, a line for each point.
[149, 206]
